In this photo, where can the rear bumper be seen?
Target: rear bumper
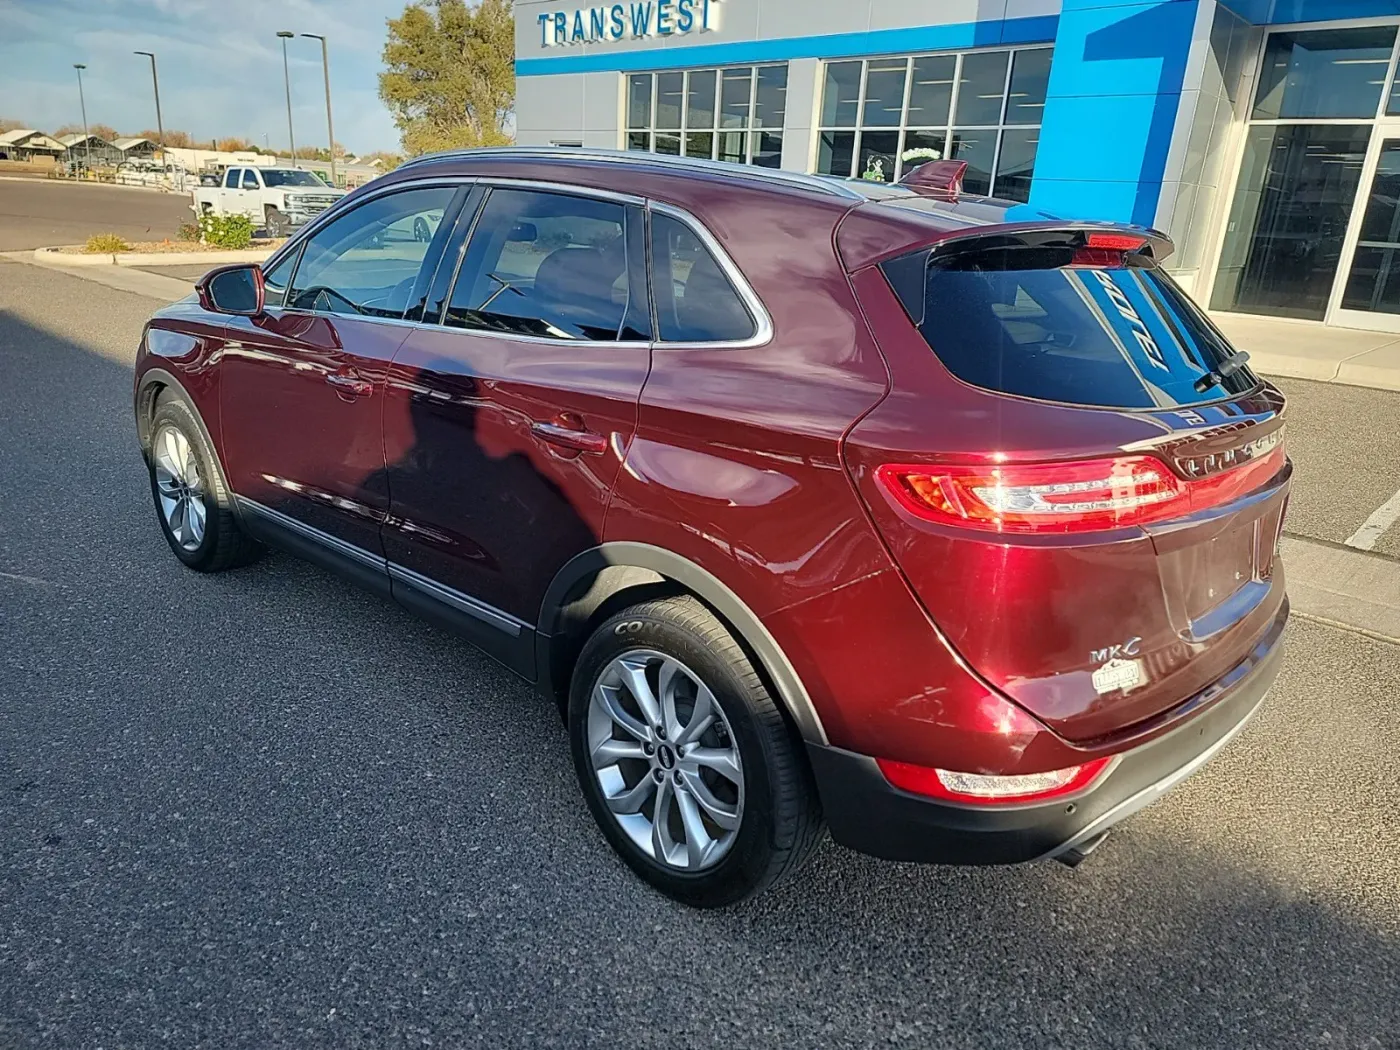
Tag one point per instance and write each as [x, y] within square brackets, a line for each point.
[866, 813]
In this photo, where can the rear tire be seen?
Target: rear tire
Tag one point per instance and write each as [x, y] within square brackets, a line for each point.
[722, 838]
[193, 505]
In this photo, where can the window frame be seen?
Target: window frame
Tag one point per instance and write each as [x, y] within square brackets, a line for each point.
[461, 187]
[948, 129]
[763, 323]
[460, 244]
[233, 178]
[468, 204]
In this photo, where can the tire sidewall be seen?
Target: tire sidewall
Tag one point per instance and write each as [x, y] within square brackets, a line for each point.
[174, 413]
[743, 868]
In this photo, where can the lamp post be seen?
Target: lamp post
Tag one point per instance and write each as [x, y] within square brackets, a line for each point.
[82, 103]
[287, 81]
[155, 83]
[326, 70]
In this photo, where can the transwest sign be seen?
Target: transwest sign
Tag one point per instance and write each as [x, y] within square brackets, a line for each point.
[636, 19]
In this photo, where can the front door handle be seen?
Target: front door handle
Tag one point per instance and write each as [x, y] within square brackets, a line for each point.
[352, 385]
[568, 437]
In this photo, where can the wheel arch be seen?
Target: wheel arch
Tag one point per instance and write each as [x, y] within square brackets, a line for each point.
[597, 582]
[153, 383]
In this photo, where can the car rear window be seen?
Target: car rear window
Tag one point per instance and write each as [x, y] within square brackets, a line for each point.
[1052, 323]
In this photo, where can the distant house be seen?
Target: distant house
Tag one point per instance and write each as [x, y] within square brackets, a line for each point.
[89, 151]
[136, 149]
[28, 144]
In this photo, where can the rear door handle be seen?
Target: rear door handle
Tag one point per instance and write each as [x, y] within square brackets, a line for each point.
[567, 437]
[350, 384]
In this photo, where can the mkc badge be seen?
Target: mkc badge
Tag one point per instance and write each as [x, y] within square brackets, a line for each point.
[1117, 672]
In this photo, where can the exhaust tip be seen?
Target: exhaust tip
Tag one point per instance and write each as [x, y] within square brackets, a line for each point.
[1075, 855]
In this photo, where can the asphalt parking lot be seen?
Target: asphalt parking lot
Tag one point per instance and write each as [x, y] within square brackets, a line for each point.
[37, 213]
[267, 809]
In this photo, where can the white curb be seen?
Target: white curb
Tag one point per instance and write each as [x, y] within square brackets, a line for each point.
[54, 257]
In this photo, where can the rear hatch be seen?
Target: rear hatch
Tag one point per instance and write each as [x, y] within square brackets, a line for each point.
[1081, 480]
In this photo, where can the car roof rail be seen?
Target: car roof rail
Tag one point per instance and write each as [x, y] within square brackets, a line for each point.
[817, 183]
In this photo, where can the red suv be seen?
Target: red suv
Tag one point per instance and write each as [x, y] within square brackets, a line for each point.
[939, 522]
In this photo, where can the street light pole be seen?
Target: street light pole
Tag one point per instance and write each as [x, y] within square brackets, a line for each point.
[326, 69]
[287, 80]
[155, 83]
[87, 143]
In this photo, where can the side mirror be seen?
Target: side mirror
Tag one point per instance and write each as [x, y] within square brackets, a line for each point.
[236, 289]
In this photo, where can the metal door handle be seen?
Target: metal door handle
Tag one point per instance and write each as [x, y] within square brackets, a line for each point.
[348, 384]
[566, 437]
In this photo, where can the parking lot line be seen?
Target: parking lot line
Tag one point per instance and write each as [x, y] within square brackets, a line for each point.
[1376, 525]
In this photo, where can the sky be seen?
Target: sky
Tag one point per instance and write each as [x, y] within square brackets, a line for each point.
[220, 66]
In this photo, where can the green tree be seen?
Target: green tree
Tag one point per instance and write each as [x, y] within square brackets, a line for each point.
[387, 161]
[449, 77]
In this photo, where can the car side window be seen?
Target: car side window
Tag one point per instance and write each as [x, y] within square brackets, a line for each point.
[553, 266]
[250, 179]
[367, 261]
[695, 301]
[275, 280]
[231, 178]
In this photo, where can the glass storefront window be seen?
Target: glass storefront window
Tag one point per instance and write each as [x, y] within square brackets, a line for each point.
[708, 113]
[979, 148]
[1016, 163]
[1374, 281]
[1294, 199]
[1330, 73]
[881, 116]
[884, 93]
[931, 91]
[982, 88]
[670, 91]
[841, 98]
[770, 97]
[1030, 76]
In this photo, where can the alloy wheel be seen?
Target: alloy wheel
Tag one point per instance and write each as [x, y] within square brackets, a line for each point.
[666, 760]
[179, 487]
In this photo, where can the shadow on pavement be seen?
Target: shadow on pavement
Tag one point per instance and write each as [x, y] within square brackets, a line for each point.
[265, 809]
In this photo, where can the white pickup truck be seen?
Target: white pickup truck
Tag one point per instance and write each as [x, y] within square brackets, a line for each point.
[275, 198]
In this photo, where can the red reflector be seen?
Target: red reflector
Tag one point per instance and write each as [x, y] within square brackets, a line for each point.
[983, 790]
[1118, 242]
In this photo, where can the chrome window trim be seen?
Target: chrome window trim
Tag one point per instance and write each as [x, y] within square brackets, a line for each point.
[507, 182]
[763, 323]
[497, 618]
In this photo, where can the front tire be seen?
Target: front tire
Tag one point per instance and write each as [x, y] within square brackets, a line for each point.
[276, 223]
[193, 505]
[687, 763]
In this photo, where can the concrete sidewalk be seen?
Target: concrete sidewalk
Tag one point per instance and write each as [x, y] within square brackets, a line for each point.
[1308, 351]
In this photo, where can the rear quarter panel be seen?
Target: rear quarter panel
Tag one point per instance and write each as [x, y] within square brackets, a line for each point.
[736, 461]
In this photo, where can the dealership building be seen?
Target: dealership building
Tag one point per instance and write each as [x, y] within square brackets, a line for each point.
[1262, 135]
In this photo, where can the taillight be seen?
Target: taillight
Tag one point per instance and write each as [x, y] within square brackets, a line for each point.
[1078, 496]
[1118, 242]
[1072, 496]
[982, 789]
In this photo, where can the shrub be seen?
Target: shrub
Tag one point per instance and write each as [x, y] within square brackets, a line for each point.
[189, 231]
[105, 244]
[226, 231]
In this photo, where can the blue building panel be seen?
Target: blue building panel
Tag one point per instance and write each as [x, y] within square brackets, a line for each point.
[1116, 82]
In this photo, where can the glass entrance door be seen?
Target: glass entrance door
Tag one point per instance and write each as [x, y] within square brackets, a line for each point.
[1369, 297]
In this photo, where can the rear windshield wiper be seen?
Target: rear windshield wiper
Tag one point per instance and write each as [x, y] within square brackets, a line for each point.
[1223, 371]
